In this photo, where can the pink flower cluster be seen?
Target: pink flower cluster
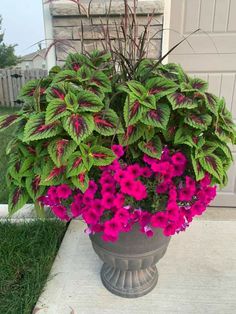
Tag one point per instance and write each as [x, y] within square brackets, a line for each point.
[104, 205]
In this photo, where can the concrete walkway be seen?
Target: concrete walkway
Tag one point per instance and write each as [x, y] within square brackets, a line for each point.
[197, 275]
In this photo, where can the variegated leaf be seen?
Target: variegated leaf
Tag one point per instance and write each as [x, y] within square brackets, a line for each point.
[18, 197]
[157, 118]
[102, 156]
[60, 150]
[133, 110]
[160, 87]
[78, 126]
[212, 164]
[152, 148]
[181, 101]
[88, 101]
[132, 134]
[107, 123]
[36, 128]
[81, 181]
[33, 187]
[75, 165]
[8, 120]
[55, 110]
[198, 121]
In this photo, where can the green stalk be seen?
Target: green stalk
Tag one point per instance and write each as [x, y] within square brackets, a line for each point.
[39, 210]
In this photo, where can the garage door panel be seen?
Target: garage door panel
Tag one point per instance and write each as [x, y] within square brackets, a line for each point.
[217, 66]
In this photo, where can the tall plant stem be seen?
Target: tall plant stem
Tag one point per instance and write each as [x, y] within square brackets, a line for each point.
[39, 210]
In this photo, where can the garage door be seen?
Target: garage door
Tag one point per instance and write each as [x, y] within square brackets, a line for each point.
[211, 55]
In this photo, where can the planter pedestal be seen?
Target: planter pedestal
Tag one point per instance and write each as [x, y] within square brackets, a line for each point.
[129, 264]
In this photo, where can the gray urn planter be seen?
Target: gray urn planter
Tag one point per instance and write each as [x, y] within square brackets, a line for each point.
[129, 268]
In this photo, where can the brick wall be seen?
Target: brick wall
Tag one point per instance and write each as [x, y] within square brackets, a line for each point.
[67, 21]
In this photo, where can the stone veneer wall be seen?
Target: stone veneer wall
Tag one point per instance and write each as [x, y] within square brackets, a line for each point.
[67, 21]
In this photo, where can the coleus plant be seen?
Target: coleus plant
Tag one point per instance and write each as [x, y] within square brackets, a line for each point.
[71, 120]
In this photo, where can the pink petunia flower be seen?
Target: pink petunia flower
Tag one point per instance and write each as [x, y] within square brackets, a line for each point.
[108, 200]
[169, 230]
[112, 227]
[134, 170]
[119, 175]
[162, 188]
[119, 200]
[61, 212]
[90, 216]
[198, 208]
[63, 191]
[159, 220]
[185, 194]
[118, 150]
[146, 172]
[97, 206]
[179, 159]
[76, 209]
[138, 191]
[108, 188]
[122, 215]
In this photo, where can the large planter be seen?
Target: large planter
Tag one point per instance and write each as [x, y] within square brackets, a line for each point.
[129, 268]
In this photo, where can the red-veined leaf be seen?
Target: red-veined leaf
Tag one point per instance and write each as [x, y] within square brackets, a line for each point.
[81, 181]
[75, 165]
[36, 129]
[152, 148]
[56, 109]
[211, 102]
[198, 121]
[65, 75]
[78, 126]
[157, 118]
[100, 80]
[88, 101]
[33, 187]
[137, 89]
[57, 91]
[8, 120]
[102, 156]
[133, 110]
[52, 175]
[18, 197]
[107, 123]
[60, 150]
[160, 87]
[198, 171]
[212, 164]
[180, 101]
[132, 134]
[198, 84]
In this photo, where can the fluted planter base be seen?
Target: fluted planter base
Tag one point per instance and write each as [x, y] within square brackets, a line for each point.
[129, 264]
[127, 283]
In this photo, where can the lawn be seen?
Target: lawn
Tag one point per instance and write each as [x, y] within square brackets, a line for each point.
[5, 137]
[27, 251]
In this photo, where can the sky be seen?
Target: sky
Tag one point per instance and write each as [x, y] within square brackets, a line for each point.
[22, 24]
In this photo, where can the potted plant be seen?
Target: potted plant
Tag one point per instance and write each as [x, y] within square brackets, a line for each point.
[134, 147]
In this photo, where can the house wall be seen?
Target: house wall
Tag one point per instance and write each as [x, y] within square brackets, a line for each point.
[67, 25]
[37, 63]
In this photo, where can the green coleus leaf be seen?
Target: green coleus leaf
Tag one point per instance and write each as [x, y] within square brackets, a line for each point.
[100, 80]
[78, 126]
[33, 187]
[225, 116]
[160, 87]
[57, 91]
[211, 102]
[102, 156]
[84, 73]
[18, 197]
[51, 175]
[75, 165]
[198, 84]
[197, 168]
[137, 89]
[132, 134]
[28, 91]
[55, 110]
[133, 110]
[107, 123]
[87, 156]
[71, 101]
[149, 102]
[183, 136]
[212, 164]
[198, 121]
[75, 61]
[8, 120]
[81, 181]
[207, 148]
[180, 101]
[222, 134]
[21, 168]
[60, 150]
[88, 101]
[65, 75]
[152, 148]
[36, 128]
[157, 118]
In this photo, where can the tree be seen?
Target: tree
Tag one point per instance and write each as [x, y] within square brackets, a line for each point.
[7, 52]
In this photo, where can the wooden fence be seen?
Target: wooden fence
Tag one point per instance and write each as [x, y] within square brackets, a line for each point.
[11, 81]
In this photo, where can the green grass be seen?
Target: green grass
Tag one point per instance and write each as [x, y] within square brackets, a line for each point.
[5, 137]
[27, 251]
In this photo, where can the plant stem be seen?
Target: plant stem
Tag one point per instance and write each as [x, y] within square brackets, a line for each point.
[39, 210]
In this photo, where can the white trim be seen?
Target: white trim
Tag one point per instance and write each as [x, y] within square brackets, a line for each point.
[48, 29]
[24, 212]
[166, 31]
